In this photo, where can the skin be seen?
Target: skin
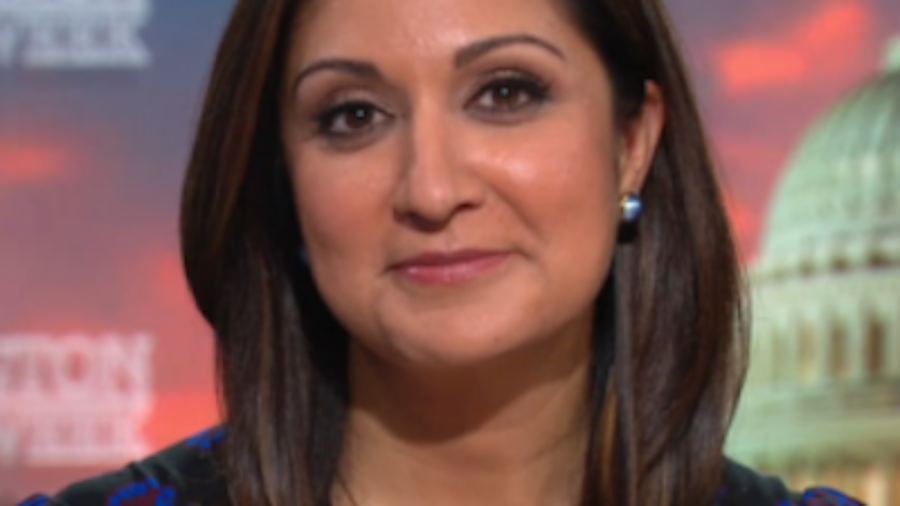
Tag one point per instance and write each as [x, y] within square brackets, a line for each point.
[469, 389]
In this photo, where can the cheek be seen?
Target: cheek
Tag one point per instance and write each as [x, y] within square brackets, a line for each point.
[339, 200]
[341, 203]
[560, 179]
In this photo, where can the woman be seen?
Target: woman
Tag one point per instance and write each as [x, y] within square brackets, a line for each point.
[415, 227]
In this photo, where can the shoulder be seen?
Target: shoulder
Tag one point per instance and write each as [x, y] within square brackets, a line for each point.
[187, 472]
[745, 487]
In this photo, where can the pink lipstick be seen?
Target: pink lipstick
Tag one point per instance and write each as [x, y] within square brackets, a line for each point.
[434, 268]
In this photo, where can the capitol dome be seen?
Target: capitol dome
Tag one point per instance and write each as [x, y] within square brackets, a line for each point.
[822, 403]
[838, 204]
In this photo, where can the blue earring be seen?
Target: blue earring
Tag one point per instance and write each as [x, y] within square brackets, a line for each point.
[632, 206]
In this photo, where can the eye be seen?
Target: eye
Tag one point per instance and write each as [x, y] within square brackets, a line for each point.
[509, 95]
[349, 119]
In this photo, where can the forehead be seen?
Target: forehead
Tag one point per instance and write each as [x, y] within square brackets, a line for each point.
[382, 29]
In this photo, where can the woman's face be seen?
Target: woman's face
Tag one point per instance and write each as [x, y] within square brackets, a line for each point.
[457, 172]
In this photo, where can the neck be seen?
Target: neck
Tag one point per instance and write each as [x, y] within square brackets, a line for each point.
[509, 432]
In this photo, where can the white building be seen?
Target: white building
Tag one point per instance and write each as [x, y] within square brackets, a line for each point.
[822, 404]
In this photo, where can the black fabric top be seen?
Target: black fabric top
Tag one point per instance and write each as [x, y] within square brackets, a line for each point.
[187, 474]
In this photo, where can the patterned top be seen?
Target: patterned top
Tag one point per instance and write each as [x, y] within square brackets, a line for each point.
[187, 474]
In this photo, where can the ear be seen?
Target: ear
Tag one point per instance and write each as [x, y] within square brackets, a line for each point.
[640, 138]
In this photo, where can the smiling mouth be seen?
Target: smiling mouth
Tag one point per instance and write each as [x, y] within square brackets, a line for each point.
[449, 268]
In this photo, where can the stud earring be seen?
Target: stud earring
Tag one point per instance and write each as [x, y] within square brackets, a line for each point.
[631, 207]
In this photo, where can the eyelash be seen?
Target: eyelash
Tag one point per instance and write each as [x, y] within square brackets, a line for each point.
[536, 92]
[326, 120]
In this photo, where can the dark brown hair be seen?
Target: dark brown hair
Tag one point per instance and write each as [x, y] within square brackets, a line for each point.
[669, 346]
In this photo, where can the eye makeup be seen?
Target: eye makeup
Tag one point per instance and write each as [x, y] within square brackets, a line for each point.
[507, 94]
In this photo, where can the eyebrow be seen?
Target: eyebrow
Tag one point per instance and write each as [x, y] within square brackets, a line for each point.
[480, 48]
[463, 57]
[355, 67]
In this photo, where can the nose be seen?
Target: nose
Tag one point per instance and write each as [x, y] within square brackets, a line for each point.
[437, 183]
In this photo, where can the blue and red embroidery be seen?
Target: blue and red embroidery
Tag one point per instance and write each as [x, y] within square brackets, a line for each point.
[207, 439]
[36, 500]
[823, 497]
[143, 493]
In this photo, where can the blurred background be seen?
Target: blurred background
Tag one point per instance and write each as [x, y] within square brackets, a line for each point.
[103, 357]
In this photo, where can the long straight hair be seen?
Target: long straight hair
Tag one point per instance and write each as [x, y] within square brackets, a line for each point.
[670, 340]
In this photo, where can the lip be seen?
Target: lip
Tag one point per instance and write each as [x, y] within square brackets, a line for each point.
[445, 268]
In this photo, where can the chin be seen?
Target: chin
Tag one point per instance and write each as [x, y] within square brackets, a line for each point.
[452, 343]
